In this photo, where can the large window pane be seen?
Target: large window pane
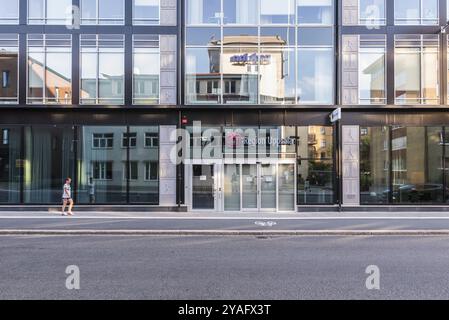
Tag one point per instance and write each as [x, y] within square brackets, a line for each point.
[58, 77]
[203, 78]
[315, 12]
[315, 75]
[315, 182]
[89, 11]
[10, 164]
[314, 149]
[240, 74]
[36, 11]
[146, 69]
[416, 12]
[203, 12]
[9, 64]
[372, 70]
[111, 11]
[374, 165]
[315, 142]
[101, 163]
[58, 11]
[277, 75]
[277, 36]
[417, 165]
[417, 69]
[144, 185]
[48, 161]
[107, 12]
[9, 13]
[88, 77]
[277, 12]
[145, 12]
[111, 78]
[36, 63]
[102, 69]
[49, 11]
[430, 76]
[372, 12]
[49, 69]
[240, 12]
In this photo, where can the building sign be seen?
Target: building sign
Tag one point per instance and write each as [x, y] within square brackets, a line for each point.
[335, 115]
[234, 139]
[244, 59]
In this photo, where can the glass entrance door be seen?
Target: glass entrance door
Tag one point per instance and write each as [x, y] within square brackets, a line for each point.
[268, 187]
[259, 187]
[250, 187]
[203, 187]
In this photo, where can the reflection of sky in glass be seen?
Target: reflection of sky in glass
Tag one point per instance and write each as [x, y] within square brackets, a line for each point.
[146, 9]
[315, 12]
[410, 9]
[198, 61]
[58, 9]
[88, 9]
[88, 65]
[315, 75]
[145, 63]
[9, 9]
[407, 8]
[372, 9]
[372, 68]
[111, 64]
[111, 9]
[203, 11]
[60, 63]
[281, 11]
[240, 11]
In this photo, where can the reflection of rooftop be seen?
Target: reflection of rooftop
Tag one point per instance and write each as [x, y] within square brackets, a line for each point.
[243, 40]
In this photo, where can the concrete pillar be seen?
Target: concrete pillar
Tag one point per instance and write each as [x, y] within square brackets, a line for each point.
[350, 12]
[351, 165]
[167, 169]
[350, 70]
[168, 13]
[168, 91]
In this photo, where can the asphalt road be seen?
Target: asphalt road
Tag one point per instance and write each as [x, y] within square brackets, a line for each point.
[68, 223]
[224, 267]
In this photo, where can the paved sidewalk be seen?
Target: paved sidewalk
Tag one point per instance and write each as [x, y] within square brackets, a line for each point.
[52, 213]
[380, 215]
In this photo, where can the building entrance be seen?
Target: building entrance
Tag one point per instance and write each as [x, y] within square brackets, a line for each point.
[241, 187]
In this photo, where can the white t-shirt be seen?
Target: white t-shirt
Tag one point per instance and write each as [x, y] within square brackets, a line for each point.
[67, 191]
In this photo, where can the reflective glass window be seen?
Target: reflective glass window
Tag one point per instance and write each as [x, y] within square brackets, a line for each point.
[9, 67]
[49, 69]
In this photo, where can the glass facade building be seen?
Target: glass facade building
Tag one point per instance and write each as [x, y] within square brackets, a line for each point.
[224, 105]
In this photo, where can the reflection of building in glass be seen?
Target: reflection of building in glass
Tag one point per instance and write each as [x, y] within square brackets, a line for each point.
[104, 166]
[376, 74]
[416, 164]
[246, 71]
[60, 93]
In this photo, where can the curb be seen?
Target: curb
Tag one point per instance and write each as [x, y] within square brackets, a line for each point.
[224, 233]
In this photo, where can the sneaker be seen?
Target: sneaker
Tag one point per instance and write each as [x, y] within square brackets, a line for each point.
[64, 214]
[70, 213]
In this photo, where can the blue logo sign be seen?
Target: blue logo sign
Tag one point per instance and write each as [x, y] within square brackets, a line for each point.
[254, 58]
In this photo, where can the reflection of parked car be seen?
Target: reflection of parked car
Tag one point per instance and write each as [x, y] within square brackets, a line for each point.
[416, 193]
